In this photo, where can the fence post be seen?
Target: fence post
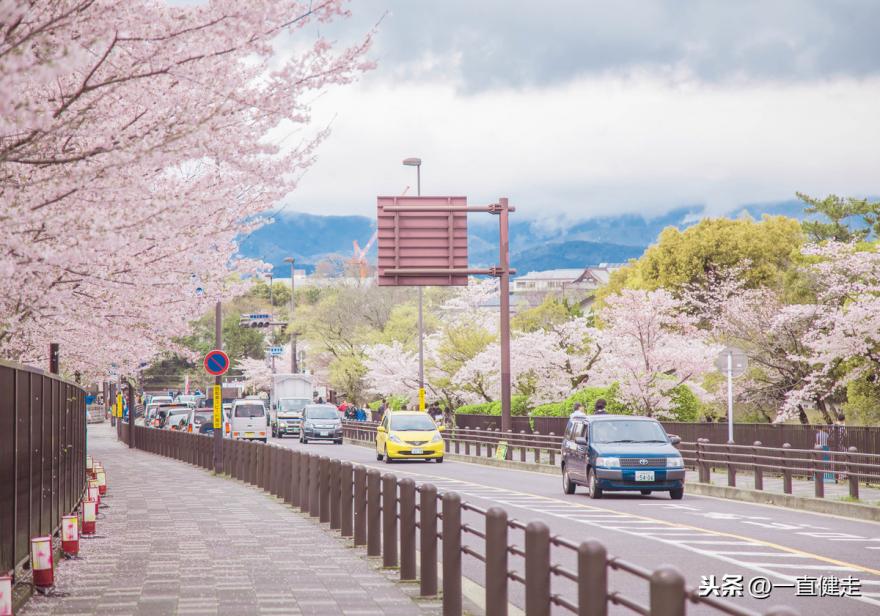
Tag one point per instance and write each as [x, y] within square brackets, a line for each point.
[786, 472]
[496, 562]
[537, 569]
[522, 446]
[324, 489]
[304, 476]
[407, 529]
[667, 592]
[452, 554]
[314, 486]
[295, 463]
[552, 451]
[852, 474]
[389, 520]
[345, 496]
[759, 472]
[477, 442]
[818, 473]
[428, 539]
[335, 493]
[731, 467]
[537, 447]
[360, 505]
[592, 579]
[374, 545]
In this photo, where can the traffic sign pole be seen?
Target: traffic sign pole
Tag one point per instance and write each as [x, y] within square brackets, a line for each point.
[218, 386]
[730, 396]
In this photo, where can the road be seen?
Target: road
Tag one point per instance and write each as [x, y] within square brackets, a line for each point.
[700, 535]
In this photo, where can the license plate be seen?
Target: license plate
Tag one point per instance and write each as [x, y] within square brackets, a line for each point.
[249, 435]
[325, 434]
[417, 451]
[644, 475]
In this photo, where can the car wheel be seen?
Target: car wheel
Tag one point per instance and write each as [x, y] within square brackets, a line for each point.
[568, 486]
[439, 460]
[676, 494]
[338, 442]
[388, 459]
[595, 490]
[646, 492]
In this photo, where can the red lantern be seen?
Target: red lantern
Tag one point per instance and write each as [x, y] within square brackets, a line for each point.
[90, 516]
[42, 563]
[94, 494]
[70, 534]
[5, 595]
[102, 481]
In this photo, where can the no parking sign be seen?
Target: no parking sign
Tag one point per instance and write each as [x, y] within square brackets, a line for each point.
[216, 362]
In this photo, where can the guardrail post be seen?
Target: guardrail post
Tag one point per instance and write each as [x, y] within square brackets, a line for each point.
[389, 520]
[335, 493]
[731, 467]
[477, 442]
[295, 463]
[345, 496]
[818, 473]
[452, 554]
[592, 579]
[274, 467]
[314, 486]
[537, 569]
[786, 471]
[407, 529]
[522, 446]
[360, 505]
[324, 489]
[467, 442]
[496, 562]
[552, 452]
[759, 472]
[852, 474]
[537, 447]
[667, 592]
[374, 543]
[285, 474]
[428, 539]
[700, 454]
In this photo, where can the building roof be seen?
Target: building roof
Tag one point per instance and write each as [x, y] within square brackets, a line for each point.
[555, 274]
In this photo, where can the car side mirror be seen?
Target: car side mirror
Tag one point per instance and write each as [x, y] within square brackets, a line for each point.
[581, 441]
[674, 439]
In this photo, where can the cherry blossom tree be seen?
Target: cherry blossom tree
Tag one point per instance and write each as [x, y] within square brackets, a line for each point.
[137, 141]
[650, 346]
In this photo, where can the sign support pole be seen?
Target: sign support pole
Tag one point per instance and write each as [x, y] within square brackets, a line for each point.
[218, 381]
[504, 290]
[730, 397]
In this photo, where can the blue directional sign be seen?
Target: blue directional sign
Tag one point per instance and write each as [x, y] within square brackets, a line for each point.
[216, 362]
[276, 351]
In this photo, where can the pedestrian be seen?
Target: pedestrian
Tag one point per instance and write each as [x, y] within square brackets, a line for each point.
[599, 408]
[838, 443]
[576, 414]
[822, 443]
[380, 412]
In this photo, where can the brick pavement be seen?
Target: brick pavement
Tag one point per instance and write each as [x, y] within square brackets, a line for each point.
[175, 539]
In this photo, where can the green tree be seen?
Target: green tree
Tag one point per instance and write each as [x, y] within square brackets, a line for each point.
[838, 211]
[552, 311]
[347, 378]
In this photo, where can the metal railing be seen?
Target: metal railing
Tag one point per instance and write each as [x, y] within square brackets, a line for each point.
[42, 457]
[426, 534]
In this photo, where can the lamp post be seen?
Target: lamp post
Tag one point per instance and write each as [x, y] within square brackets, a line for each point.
[293, 366]
[271, 311]
[417, 163]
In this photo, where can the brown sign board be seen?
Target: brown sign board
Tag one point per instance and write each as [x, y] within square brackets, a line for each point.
[421, 239]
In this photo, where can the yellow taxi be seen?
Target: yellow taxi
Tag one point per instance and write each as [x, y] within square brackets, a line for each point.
[405, 435]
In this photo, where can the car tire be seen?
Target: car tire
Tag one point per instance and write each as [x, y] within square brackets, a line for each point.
[568, 486]
[646, 492]
[439, 460]
[338, 442]
[388, 459]
[593, 483]
[676, 494]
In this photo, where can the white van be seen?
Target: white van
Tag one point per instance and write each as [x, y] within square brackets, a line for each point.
[247, 420]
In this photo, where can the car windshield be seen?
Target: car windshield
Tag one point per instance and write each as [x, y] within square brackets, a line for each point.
[322, 413]
[292, 404]
[627, 431]
[249, 410]
[178, 411]
[203, 416]
[412, 423]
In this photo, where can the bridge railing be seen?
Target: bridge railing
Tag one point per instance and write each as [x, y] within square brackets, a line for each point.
[426, 534]
[42, 457]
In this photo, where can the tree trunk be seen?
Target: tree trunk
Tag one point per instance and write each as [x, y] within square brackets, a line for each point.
[823, 408]
[802, 416]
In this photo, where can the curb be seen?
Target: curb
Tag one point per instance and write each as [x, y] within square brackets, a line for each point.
[856, 511]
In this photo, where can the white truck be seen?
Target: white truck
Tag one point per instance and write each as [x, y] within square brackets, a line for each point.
[290, 394]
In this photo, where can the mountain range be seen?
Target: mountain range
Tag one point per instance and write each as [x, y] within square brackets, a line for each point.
[534, 245]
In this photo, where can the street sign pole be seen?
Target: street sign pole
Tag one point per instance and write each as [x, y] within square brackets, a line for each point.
[730, 396]
[218, 381]
[504, 290]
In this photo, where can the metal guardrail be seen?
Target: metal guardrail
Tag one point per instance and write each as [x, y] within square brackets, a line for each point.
[410, 527]
[818, 465]
[42, 457]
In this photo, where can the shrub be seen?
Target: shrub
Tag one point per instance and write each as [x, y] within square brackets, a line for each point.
[519, 405]
[587, 397]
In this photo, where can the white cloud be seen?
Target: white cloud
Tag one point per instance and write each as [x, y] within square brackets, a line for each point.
[597, 145]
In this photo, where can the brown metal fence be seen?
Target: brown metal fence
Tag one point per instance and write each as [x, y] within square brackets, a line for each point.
[42, 457]
[864, 438]
[426, 534]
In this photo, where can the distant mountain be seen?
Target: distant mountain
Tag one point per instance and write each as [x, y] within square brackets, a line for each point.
[534, 244]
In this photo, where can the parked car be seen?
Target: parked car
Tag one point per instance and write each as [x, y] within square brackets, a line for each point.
[160, 400]
[321, 423]
[288, 416]
[247, 420]
[199, 417]
[207, 427]
[173, 415]
[608, 453]
[404, 435]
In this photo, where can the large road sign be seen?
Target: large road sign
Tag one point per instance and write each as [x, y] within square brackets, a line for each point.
[216, 362]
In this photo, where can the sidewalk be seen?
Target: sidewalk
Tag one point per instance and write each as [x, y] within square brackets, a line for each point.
[176, 540]
[799, 487]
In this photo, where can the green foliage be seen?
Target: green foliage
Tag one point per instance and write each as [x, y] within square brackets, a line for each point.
[396, 403]
[863, 402]
[687, 405]
[518, 407]
[838, 211]
[587, 397]
[280, 293]
[552, 311]
[346, 377]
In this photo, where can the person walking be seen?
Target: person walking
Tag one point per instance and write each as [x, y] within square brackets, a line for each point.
[380, 412]
[838, 444]
[576, 414]
[822, 443]
[599, 408]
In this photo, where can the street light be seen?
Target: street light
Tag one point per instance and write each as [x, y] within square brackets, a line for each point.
[417, 163]
[293, 366]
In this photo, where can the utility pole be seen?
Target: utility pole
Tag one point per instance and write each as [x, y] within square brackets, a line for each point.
[504, 290]
[218, 380]
[293, 359]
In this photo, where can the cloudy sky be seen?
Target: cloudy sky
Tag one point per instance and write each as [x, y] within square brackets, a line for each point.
[581, 108]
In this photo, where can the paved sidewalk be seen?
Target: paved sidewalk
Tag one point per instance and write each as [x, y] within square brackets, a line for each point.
[868, 495]
[176, 540]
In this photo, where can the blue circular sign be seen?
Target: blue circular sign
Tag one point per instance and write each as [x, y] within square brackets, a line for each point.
[216, 362]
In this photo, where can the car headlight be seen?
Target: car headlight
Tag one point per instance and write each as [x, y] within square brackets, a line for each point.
[395, 439]
[608, 462]
[675, 462]
[309, 425]
[437, 438]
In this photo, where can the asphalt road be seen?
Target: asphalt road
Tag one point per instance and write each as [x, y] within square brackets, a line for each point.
[702, 536]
